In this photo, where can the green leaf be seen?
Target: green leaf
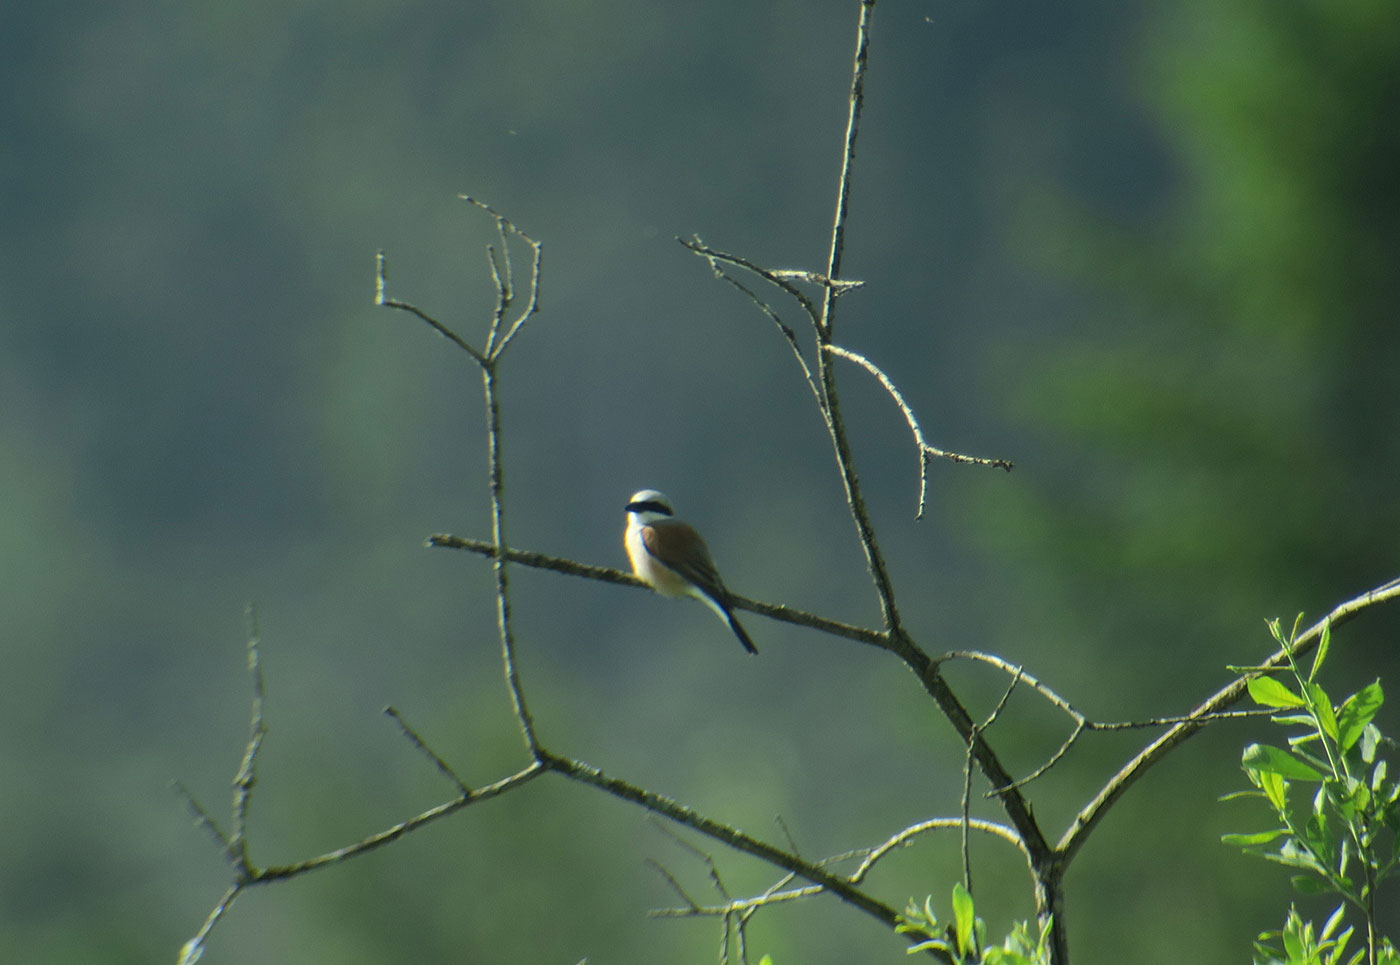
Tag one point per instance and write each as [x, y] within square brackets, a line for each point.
[1268, 692]
[1292, 856]
[1323, 646]
[1275, 788]
[1235, 795]
[1370, 740]
[1252, 840]
[1274, 760]
[935, 945]
[1334, 920]
[964, 917]
[1321, 706]
[1323, 837]
[1294, 943]
[1357, 712]
[1309, 885]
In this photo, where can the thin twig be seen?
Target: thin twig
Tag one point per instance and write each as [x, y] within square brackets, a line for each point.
[772, 313]
[193, 949]
[381, 297]
[503, 276]
[203, 819]
[767, 274]
[247, 776]
[700, 854]
[926, 451]
[396, 831]
[432, 755]
[744, 905]
[901, 839]
[848, 157]
[659, 804]
[675, 885]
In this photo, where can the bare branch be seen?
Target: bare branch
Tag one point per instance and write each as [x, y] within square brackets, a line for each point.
[503, 274]
[747, 905]
[690, 902]
[203, 819]
[427, 751]
[659, 804]
[787, 332]
[247, 775]
[193, 949]
[1088, 818]
[904, 837]
[838, 286]
[848, 157]
[1016, 671]
[381, 297]
[498, 561]
[703, 856]
[926, 451]
[767, 274]
[607, 574]
[394, 832]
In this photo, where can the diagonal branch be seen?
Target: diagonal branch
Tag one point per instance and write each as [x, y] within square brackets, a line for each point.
[1088, 818]
[778, 278]
[396, 831]
[714, 258]
[421, 745]
[381, 297]
[836, 884]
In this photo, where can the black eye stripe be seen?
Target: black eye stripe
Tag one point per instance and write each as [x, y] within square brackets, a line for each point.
[649, 506]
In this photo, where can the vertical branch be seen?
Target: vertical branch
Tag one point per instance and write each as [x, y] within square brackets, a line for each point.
[247, 775]
[497, 340]
[835, 424]
[843, 192]
[498, 537]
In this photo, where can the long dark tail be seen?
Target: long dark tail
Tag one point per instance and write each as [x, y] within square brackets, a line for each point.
[715, 600]
[739, 631]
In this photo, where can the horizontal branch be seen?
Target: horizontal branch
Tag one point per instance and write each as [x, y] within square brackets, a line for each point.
[607, 574]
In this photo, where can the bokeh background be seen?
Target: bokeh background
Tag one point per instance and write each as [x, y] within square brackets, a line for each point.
[1147, 251]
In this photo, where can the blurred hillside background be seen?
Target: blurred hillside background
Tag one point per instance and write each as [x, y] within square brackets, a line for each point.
[1147, 251]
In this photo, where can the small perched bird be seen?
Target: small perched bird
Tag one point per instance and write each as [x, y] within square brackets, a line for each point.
[673, 560]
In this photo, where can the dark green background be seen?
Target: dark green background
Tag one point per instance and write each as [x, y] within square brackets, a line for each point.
[1147, 251]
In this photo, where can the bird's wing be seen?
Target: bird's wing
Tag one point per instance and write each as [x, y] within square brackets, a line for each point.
[695, 567]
